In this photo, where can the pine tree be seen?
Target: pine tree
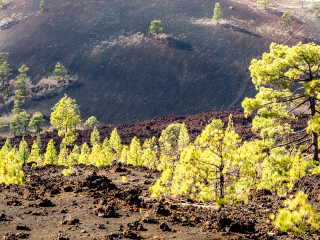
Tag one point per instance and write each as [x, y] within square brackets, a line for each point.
[91, 122]
[124, 155]
[297, 216]
[285, 20]
[19, 124]
[20, 90]
[105, 157]
[23, 153]
[204, 168]
[217, 13]
[42, 6]
[84, 155]
[155, 27]
[115, 143]
[95, 137]
[37, 121]
[50, 157]
[281, 169]
[168, 156]
[105, 143]
[135, 152]
[264, 4]
[63, 157]
[64, 118]
[59, 72]
[277, 76]
[73, 157]
[149, 153]
[7, 145]
[95, 155]
[183, 140]
[171, 134]
[11, 169]
[35, 153]
[5, 73]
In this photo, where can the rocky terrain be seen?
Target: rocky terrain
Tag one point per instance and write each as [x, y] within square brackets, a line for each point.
[95, 203]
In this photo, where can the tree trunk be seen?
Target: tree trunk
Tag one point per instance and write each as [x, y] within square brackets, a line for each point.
[314, 134]
[221, 185]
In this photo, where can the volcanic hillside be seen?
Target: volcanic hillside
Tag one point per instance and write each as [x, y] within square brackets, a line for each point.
[120, 73]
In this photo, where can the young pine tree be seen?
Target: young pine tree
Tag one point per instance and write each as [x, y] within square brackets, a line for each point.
[105, 157]
[73, 157]
[35, 153]
[298, 216]
[135, 152]
[7, 145]
[39, 142]
[124, 155]
[36, 122]
[84, 155]
[91, 122]
[95, 155]
[95, 137]
[63, 157]
[23, 153]
[50, 157]
[105, 143]
[11, 169]
[149, 153]
[42, 6]
[59, 72]
[217, 13]
[20, 86]
[264, 4]
[184, 139]
[203, 169]
[64, 118]
[115, 143]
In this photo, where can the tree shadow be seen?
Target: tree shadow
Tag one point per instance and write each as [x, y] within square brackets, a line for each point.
[241, 30]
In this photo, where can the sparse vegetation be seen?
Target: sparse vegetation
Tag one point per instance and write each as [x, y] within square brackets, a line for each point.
[37, 121]
[285, 20]
[42, 6]
[215, 166]
[156, 27]
[217, 13]
[64, 118]
[91, 122]
[314, 6]
[277, 76]
[60, 72]
[297, 216]
[264, 4]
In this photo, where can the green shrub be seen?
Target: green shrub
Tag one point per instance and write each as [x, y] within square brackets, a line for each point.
[297, 216]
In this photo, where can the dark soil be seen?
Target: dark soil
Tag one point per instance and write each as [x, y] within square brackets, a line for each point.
[94, 203]
[124, 74]
[309, 184]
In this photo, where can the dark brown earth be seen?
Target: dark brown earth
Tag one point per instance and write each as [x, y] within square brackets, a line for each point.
[94, 203]
[126, 75]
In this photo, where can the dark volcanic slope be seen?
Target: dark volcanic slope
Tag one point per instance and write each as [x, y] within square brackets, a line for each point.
[126, 75]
